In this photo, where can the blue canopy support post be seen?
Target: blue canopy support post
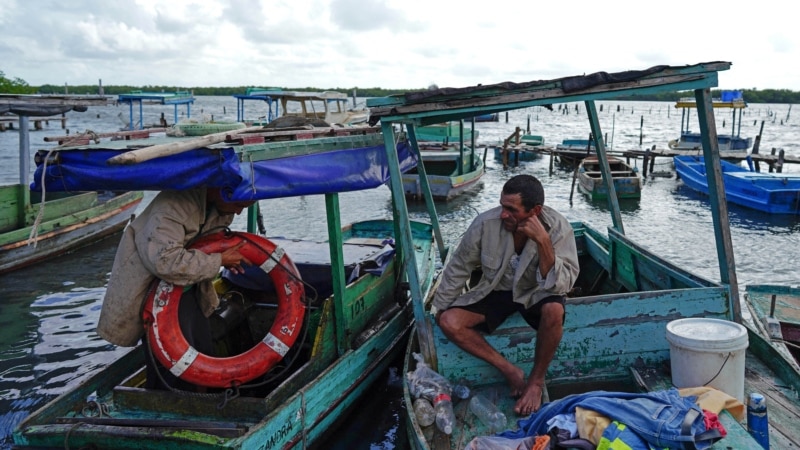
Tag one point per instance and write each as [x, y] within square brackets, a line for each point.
[605, 169]
[141, 115]
[422, 321]
[426, 191]
[337, 269]
[716, 194]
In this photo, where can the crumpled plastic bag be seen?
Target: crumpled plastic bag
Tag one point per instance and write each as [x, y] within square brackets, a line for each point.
[501, 443]
[425, 382]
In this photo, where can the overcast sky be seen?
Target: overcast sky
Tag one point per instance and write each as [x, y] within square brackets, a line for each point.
[398, 44]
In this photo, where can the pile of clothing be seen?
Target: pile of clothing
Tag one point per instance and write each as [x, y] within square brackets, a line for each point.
[670, 419]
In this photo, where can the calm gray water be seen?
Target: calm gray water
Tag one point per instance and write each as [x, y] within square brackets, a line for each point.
[48, 312]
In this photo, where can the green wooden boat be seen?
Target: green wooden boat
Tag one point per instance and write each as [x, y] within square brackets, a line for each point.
[627, 182]
[445, 133]
[36, 227]
[450, 172]
[357, 309]
[615, 336]
[204, 128]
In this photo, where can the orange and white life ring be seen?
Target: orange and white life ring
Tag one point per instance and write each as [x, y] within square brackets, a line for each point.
[168, 344]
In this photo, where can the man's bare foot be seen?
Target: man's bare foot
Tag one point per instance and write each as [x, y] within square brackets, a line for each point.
[531, 400]
[516, 380]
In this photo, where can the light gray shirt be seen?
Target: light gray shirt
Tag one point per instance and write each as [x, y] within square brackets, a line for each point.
[488, 245]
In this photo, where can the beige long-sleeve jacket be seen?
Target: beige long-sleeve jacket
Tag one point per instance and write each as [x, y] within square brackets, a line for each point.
[154, 246]
[488, 245]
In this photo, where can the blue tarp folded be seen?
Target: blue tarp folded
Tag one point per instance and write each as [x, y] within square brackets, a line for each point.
[319, 173]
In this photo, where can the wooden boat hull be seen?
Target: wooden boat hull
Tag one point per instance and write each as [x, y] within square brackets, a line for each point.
[68, 223]
[517, 155]
[772, 193]
[445, 181]
[614, 340]
[295, 410]
[447, 133]
[202, 129]
[627, 183]
[778, 322]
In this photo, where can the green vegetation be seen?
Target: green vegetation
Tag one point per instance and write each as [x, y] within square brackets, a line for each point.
[223, 91]
[14, 86]
[18, 86]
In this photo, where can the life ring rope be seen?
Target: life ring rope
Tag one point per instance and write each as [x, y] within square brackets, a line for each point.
[172, 350]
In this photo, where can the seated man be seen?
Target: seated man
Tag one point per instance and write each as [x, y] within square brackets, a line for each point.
[529, 260]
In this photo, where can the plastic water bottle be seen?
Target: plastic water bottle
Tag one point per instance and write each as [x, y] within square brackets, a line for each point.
[424, 412]
[445, 417]
[488, 413]
[461, 389]
[757, 422]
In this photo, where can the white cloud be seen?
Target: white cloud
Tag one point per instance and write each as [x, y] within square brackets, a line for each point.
[386, 43]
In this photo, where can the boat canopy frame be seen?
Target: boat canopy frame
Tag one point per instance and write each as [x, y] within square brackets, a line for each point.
[155, 98]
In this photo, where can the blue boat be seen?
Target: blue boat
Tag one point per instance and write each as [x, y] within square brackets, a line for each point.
[773, 193]
[526, 150]
[731, 146]
[625, 298]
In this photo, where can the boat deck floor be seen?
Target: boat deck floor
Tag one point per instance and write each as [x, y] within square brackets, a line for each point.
[782, 402]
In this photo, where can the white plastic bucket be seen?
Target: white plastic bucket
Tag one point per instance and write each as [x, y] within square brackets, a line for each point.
[708, 352]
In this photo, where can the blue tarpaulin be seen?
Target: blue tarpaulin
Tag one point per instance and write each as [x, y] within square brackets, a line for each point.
[319, 173]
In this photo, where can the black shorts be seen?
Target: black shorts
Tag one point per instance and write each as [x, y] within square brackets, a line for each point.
[498, 305]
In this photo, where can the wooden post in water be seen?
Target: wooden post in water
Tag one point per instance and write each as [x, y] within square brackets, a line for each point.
[772, 164]
[779, 164]
[645, 158]
[756, 144]
[653, 160]
[641, 131]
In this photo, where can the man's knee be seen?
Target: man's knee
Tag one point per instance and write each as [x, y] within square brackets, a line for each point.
[552, 314]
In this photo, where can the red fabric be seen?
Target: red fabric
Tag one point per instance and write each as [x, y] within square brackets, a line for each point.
[711, 421]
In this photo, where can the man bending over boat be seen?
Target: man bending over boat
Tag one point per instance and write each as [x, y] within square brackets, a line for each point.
[529, 261]
[154, 246]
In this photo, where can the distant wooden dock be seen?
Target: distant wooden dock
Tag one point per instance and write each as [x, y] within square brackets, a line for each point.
[7, 123]
[775, 160]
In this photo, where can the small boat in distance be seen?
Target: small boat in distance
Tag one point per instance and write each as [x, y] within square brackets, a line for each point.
[570, 152]
[526, 150]
[627, 183]
[445, 133]
[328, 106]
[732, 145]
[449, 172]
[37, 226]
[771, 192]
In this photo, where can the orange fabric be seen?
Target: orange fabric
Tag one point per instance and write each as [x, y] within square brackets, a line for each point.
[715, 401]
[541, 443]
